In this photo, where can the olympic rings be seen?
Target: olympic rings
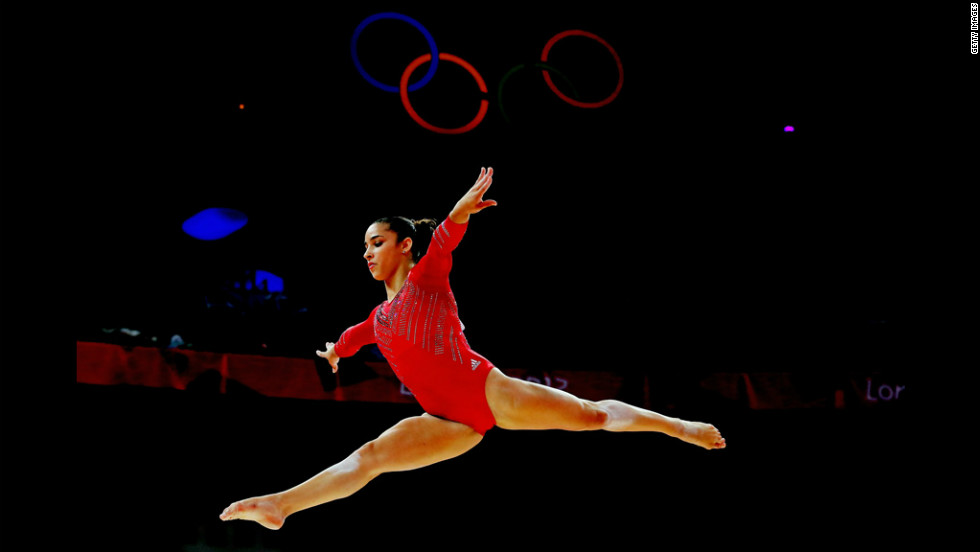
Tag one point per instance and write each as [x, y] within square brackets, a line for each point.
[577, 103]
[434, 56]
[484, 104]
[391, 15]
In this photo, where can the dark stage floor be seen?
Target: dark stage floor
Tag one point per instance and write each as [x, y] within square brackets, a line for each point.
[156, 467]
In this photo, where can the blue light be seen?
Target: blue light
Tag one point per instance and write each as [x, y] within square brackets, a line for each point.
[788, 128]
[214, 223]
[274, 282]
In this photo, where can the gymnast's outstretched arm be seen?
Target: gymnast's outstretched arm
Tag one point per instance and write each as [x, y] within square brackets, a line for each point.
[472, 202]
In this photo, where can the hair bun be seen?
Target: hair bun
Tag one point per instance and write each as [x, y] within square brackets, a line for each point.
[431, 224]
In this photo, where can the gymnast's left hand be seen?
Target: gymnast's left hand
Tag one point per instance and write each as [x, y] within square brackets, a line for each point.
[473, 201]
[332, 357]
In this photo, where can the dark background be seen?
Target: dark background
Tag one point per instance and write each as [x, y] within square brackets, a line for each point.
[682, 202]
[676, 231]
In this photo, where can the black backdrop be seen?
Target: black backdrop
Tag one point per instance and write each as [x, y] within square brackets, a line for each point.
[680, 203]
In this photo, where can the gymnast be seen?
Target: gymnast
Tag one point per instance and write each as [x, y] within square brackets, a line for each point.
[462, 393]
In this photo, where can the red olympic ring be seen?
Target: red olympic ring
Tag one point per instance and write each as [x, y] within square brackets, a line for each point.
[547, 76]
[403, 91]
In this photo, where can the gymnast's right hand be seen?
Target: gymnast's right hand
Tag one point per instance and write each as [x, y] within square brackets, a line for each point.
[330, 355]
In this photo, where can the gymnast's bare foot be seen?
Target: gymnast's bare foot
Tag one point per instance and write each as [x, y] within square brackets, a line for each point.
[700, 434]
[263, 510]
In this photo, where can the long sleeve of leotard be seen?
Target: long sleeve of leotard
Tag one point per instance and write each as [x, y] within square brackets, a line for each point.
[355, 337]
[438, 260]
[446, 237]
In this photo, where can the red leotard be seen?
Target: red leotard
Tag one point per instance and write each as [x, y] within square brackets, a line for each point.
[420, 335]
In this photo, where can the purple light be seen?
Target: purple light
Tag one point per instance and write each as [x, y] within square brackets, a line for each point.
[788, 128]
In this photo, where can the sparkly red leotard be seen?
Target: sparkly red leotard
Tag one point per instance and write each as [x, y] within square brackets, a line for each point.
[420, 335]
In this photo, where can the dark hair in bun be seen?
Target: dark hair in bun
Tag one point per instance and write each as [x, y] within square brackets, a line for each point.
[419, 230]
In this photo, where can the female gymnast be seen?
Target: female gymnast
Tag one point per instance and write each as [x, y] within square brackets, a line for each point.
[463, 395]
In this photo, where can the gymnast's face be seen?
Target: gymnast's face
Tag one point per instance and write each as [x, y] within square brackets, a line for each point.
[383, 252]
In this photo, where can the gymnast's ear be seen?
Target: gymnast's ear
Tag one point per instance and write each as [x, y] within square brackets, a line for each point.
[406, 246]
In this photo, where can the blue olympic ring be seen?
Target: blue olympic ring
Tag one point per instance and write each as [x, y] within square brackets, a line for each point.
[428, 37]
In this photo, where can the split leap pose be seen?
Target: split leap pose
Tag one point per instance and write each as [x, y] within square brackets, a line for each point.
[418, 331]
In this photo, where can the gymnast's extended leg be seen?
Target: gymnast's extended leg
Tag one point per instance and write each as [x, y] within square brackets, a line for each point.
[412, 443]
[519, 404]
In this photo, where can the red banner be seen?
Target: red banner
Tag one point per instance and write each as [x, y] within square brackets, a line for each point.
[108, 364]
[373, 381]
